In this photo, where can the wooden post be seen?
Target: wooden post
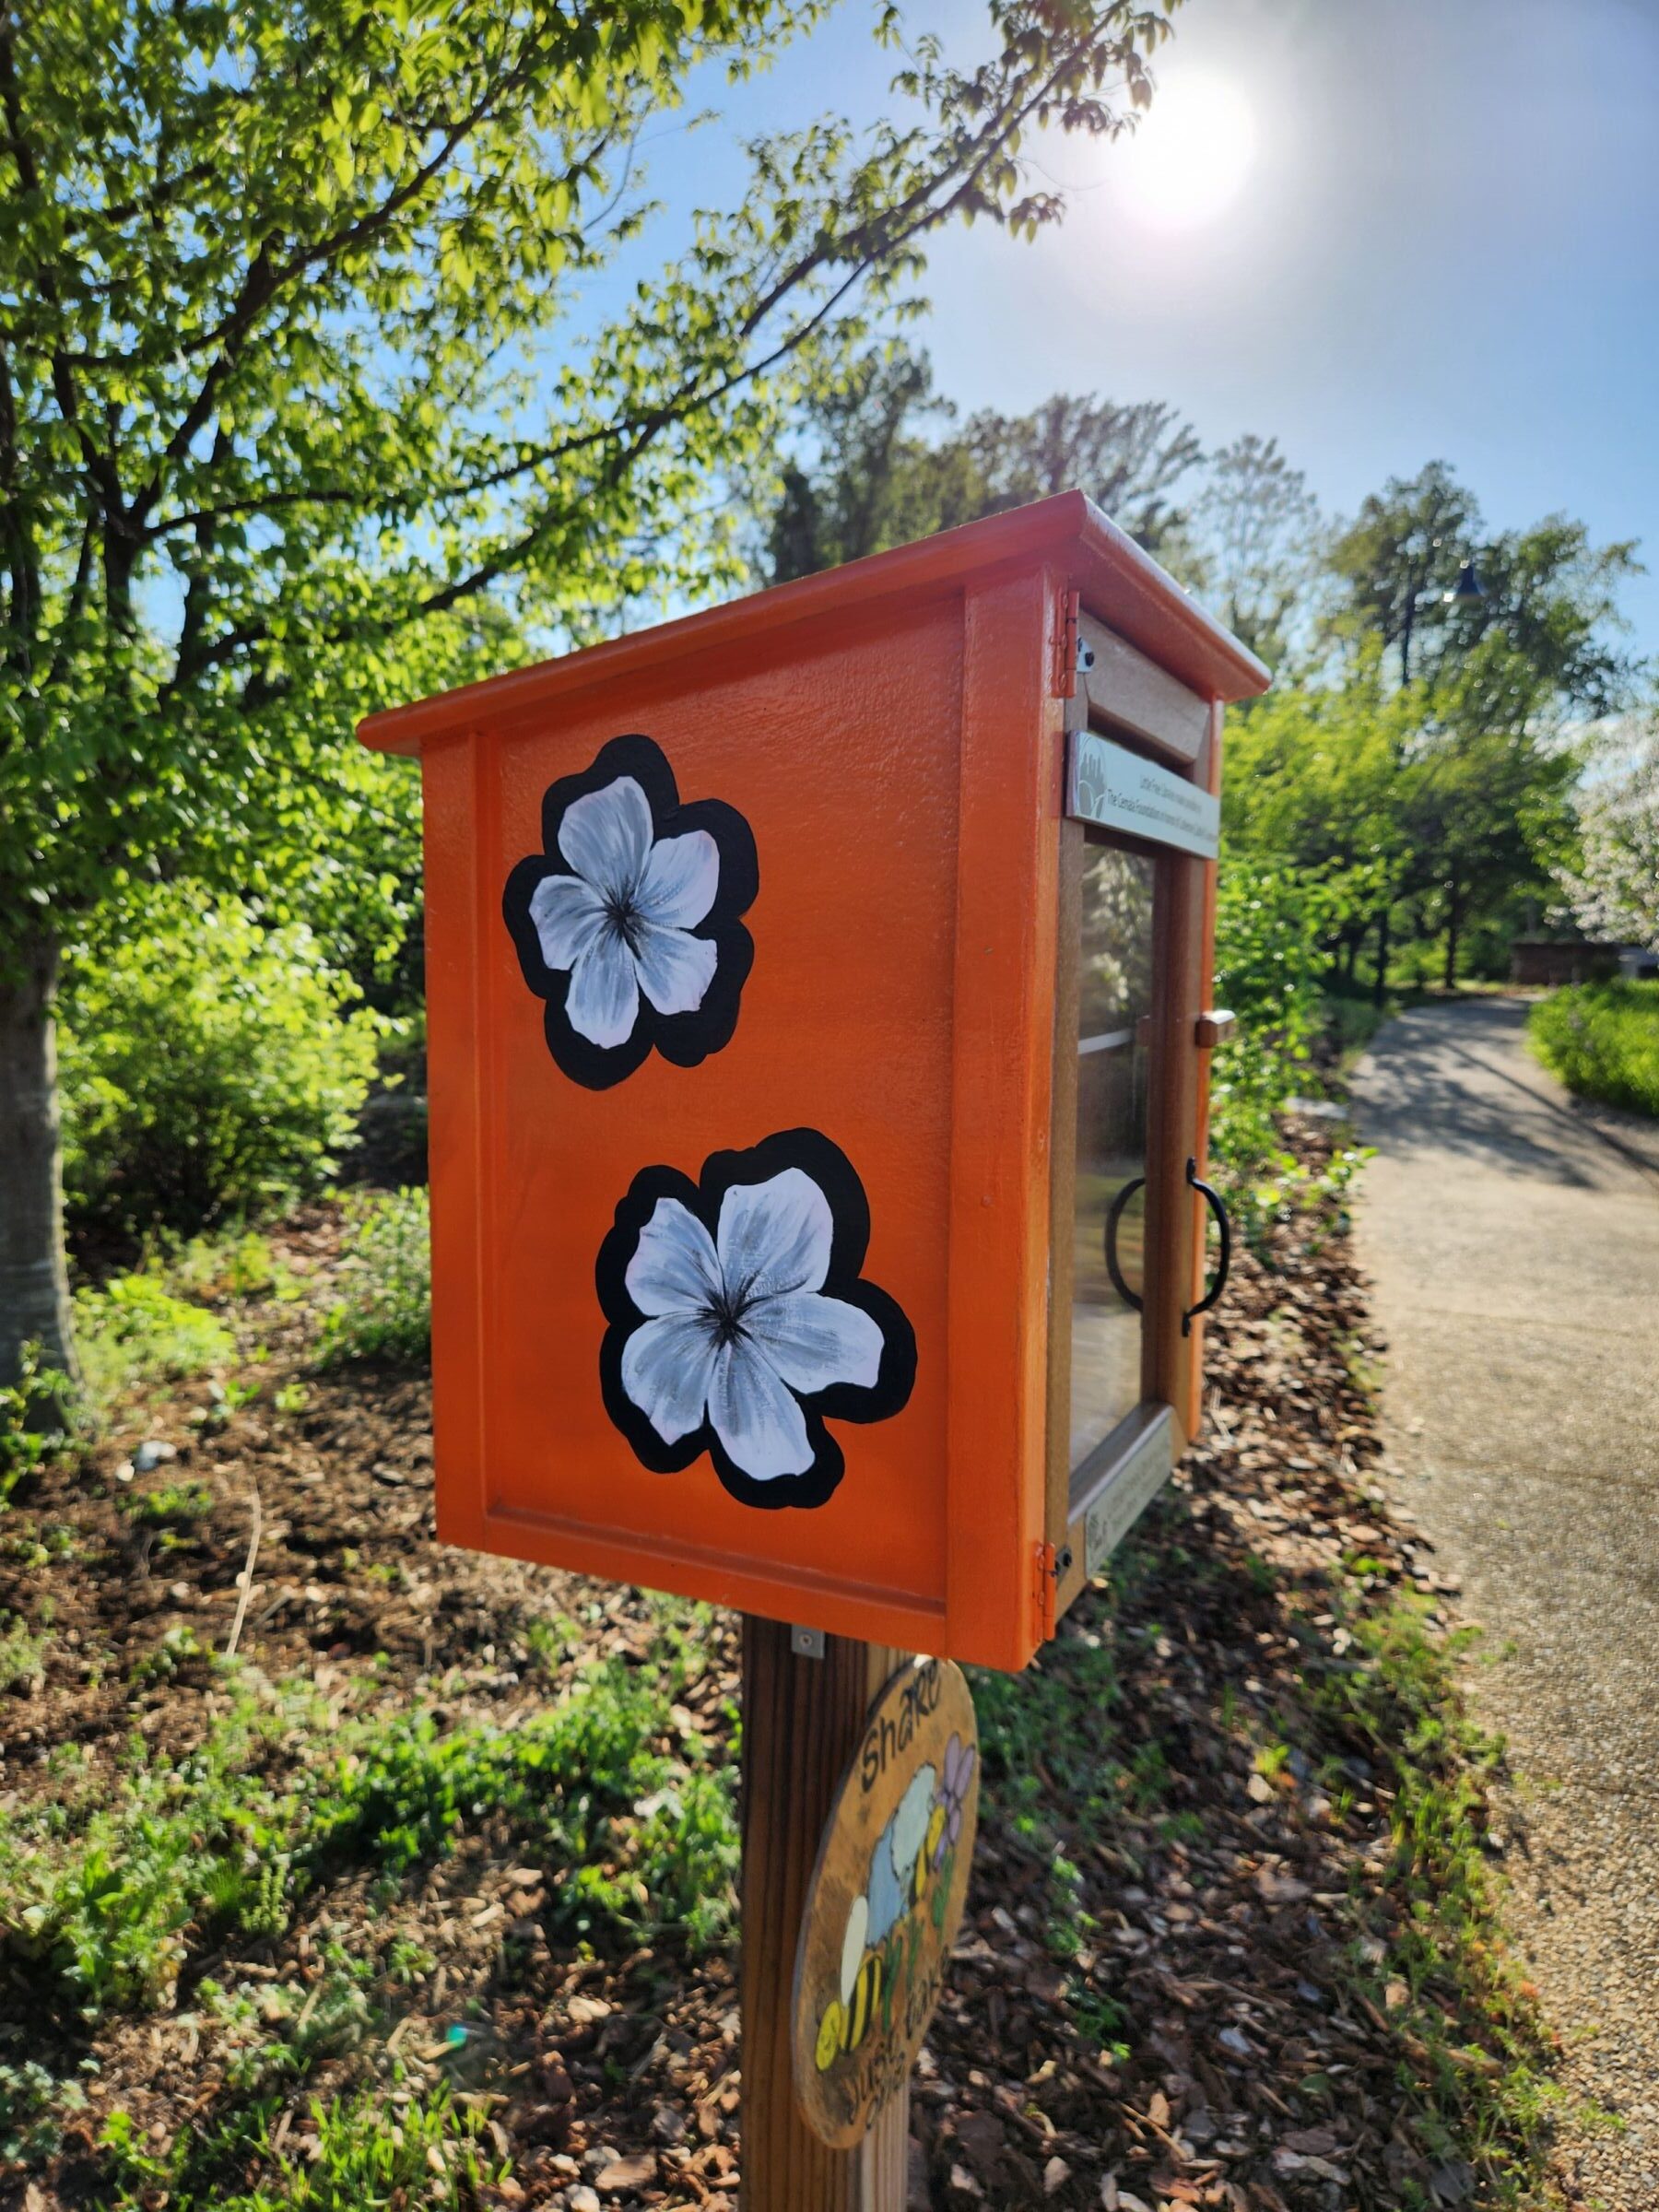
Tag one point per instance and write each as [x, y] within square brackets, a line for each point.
[802, 1722]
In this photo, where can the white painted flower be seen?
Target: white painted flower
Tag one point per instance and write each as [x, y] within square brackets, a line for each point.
[738, 1328]
[622, 924]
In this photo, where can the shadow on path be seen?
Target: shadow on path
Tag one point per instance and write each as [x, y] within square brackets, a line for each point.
[1459, 1078]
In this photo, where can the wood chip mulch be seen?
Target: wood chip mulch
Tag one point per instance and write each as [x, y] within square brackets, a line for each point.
[1154, 2003]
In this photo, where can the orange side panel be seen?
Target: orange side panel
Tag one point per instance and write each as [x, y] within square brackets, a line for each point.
[844, 761]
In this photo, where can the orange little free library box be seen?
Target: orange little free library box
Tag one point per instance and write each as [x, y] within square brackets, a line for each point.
[819, 1036]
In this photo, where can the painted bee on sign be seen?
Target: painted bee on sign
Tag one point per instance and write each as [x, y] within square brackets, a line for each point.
[848, 2020]
[911, 1864]
[872, 1953]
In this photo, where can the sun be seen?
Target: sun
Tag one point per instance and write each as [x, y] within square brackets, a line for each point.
[1191, 156]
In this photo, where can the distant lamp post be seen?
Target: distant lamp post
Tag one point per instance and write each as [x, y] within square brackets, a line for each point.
[1468, 591]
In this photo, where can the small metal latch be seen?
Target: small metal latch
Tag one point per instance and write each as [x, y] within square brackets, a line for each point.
[807, 1643]
[1051, 1565]
[1216, 1026]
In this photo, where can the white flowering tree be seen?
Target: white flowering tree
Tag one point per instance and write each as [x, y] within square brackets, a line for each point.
[1614, 892]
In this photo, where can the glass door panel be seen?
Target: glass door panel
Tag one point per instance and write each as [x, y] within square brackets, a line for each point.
[1115, 992]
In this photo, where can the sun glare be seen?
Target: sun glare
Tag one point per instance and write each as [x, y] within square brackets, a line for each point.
[1189, 161]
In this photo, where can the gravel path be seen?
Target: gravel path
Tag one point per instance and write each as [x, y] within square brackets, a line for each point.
[1513, 1240]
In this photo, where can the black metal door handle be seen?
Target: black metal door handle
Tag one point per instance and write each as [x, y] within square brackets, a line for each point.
[1112, 1219]
[1212, 1198]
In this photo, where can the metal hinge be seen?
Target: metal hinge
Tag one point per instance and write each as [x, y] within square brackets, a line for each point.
[1049, 1566]
[1065, 648]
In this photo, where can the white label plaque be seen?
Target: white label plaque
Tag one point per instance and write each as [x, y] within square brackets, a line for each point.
[1119, 790]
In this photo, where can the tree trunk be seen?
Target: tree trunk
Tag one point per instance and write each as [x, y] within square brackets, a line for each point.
[1380, 988]
[1454, 919]
[34, 1280]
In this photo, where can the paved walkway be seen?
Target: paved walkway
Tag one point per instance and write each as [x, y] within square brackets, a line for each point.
[1513, 1240]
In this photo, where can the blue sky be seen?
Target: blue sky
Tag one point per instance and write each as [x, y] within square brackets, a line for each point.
[1445, 245]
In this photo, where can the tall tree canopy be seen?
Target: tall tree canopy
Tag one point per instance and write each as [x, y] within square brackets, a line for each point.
[291, 394]
[1481, 793]
[865, 474]
[1416, 756]
[1260, 545]
[1547, 601]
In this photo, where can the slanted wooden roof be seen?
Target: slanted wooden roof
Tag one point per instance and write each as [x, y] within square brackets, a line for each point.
[1120, 584]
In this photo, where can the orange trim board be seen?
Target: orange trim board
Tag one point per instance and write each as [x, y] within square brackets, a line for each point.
[742, 956]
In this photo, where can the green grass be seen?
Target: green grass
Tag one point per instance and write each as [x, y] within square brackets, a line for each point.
[358, 2155]
[235, 1264]
[109, 1890]
[1601, 1039]
[126, 1879]
[385, 1309]
[1468, 2021]
[153, 1324]
[1352, 1018]
[173, 1505]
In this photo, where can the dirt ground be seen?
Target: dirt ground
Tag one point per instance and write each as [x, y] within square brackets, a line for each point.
[1192, 1971]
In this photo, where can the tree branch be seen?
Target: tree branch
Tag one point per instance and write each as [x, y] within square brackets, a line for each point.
[956, 180]
[917, 213]
[100, 467]
[22, 556]
[198, 592]
[266, 278]
[76, 602]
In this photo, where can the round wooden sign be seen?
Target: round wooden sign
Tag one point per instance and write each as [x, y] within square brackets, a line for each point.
[886, 1900]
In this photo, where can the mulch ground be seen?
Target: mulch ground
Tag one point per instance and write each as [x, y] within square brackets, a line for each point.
[1168, 2019]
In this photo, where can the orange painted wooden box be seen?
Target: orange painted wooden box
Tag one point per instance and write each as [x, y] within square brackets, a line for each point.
[815, 1097]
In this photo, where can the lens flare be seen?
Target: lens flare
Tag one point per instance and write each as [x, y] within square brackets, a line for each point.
[1191, 156]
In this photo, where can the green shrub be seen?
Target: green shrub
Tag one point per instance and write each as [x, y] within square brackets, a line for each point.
[645, 1842]
[1603, 1041]
[386, 1268]
[33, 1411]
[134, 1331]
[238, 1264]
[33, 2107]
[1271, 920]
[210, 1068]
[101, 1891]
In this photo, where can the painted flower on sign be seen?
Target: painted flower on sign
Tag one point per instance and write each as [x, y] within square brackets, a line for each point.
[627, 924]
[953, 1793]
[739, 1321]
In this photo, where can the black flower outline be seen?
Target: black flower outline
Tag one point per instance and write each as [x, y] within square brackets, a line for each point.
[745, 1285]
[684, 1037]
